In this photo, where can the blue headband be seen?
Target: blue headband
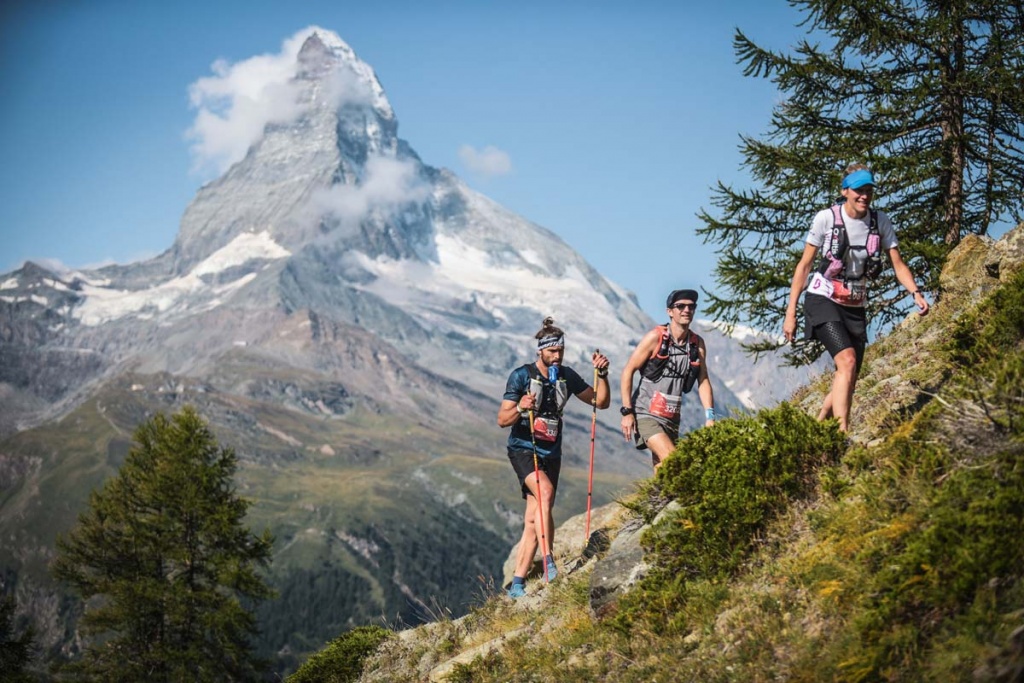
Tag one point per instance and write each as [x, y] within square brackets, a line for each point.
[550, 341]
[858, 179]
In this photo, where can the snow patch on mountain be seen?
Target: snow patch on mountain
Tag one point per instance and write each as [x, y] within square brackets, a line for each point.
[34, 298]
[738, 332]
[56, 284]
[246, 246]
[502, 285]
[464, 272]
[102, 304]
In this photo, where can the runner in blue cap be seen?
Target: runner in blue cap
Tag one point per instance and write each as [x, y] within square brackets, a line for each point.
[851, 238]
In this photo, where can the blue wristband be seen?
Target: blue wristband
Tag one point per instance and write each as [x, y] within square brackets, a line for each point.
[709, 413]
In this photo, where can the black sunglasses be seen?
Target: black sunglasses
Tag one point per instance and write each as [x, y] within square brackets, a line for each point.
[683, 307]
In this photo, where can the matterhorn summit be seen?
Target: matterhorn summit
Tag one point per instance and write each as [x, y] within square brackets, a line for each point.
[333, 127]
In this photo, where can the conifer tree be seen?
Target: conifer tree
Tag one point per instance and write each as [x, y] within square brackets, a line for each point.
[166, 568]
[16, 650]
[926, 92]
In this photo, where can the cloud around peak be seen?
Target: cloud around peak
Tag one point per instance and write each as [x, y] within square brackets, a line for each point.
[388, 185]
[488, 162]
[239, 100]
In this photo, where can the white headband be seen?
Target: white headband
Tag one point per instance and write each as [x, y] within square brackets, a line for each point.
[550, 341]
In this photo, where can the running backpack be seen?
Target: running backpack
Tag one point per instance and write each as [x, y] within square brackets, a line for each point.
[832, 265]
[654, 367]
[553, 396]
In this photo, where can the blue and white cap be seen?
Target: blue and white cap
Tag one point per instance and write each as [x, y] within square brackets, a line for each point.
[858, 179]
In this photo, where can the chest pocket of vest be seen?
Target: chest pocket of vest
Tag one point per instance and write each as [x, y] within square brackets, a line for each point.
[856, 260]
[549, 398]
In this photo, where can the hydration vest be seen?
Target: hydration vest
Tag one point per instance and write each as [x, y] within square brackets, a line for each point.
[654, 367]
[553, 396]
[831, 264]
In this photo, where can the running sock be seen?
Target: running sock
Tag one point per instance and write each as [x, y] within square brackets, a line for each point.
[518, 588]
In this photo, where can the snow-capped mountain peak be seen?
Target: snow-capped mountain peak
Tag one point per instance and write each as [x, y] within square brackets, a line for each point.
[328, 122]
[323, 55]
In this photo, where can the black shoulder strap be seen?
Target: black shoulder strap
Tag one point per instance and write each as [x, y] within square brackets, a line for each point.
[837, 243]
[531, 369]
[873, 230]
[693, 366]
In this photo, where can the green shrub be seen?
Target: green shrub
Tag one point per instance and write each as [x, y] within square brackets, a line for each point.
[341, 661]
[995, 324]
[731, 482]
[960, 560]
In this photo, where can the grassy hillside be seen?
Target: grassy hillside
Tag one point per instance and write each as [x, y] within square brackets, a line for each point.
[788, 553]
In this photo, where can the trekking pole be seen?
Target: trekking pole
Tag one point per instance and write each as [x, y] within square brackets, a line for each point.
[540, 503]
[593, 433]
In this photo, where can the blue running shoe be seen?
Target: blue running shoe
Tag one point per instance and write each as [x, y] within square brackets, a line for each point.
[516, 591]
[552, 570]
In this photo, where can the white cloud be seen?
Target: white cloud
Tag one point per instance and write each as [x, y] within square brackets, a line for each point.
[387, 185]
[235, 104]
[490, 161]
[344, 86]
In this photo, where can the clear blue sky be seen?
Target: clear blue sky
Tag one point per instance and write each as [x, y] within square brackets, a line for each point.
[615, 117]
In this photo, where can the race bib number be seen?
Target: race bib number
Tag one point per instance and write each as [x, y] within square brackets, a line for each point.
[839, 291]
[665, 406]
[545, 428]
[853, 293]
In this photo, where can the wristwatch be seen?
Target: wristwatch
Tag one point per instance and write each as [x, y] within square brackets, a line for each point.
[625, 411]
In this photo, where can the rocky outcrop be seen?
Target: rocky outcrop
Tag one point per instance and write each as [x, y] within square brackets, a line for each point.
[618, 571]
[572, 549]
[979, 264]
[612, 552]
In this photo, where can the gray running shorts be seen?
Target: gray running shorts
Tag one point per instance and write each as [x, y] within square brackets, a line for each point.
[646, 427]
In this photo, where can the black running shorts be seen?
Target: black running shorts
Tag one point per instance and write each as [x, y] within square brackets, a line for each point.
[836, 327]
[522, 463]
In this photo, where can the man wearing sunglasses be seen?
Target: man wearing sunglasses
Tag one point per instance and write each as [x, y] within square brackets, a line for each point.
[670, 358]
